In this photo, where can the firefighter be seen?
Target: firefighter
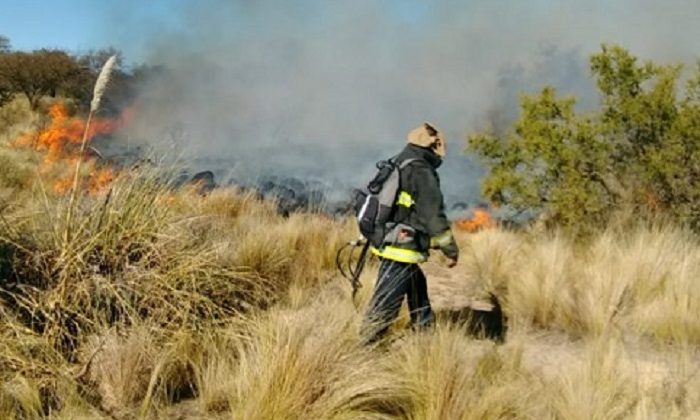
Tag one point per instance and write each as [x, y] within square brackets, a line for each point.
[418, 224]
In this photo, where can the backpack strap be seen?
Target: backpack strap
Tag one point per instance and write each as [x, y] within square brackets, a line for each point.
[407, 162]
[404, 198]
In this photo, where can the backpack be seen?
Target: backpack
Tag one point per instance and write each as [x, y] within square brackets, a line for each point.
[375, 204]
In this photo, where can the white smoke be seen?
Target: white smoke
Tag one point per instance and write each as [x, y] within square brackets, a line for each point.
[325, 88]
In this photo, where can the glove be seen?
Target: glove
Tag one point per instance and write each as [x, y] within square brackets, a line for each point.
[452, 253]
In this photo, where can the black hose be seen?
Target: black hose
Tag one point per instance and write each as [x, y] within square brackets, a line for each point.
[344, 262]
[339, 262]
[358, 270]
[351, 258]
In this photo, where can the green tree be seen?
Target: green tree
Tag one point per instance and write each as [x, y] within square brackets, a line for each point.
[640, 150]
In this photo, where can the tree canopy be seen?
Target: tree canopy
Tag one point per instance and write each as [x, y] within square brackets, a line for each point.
[639, 151]
[5, 90]
[41, 73]
[37, 73]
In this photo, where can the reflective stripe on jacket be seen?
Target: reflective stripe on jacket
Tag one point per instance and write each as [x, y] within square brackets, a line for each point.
[442, 240]
[403, 255]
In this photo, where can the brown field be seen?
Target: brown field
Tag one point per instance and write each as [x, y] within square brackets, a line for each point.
[168, 304]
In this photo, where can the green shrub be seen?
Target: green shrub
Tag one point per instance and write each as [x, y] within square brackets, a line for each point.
[638, 152]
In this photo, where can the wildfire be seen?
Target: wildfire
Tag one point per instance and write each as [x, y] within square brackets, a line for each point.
[63, 135]
[62, 186]
[60, 141]
[100, 179]
[480, 220]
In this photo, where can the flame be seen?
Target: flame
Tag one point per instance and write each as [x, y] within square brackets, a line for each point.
[60, 142]
[480, 220]
[100, 179]
[63, 185]
[62, 137]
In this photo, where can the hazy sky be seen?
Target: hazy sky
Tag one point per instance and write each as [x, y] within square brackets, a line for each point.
[325, 87]
[79, 25]
[128, 24]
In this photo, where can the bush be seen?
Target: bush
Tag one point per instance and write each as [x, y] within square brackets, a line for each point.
[581, 170]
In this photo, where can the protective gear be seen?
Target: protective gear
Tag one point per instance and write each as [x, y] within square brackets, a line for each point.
[417, 224]
[375, 205]
[428, 136]
[451, 263]
[420, 212]
[398, 254]
[397, 279]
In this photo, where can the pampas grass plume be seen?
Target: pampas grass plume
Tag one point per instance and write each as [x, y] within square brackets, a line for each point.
[100, 87]
[102, 81]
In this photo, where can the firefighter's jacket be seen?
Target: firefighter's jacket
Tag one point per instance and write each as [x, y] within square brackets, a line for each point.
[419, 222]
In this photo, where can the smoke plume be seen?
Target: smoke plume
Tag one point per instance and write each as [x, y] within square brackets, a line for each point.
[323, 89]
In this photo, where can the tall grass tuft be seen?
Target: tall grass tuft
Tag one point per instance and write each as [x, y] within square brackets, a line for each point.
[640, 280]
[293, 366]
[130, 258]
[99, 90]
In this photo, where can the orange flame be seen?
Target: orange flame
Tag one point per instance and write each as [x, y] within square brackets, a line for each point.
[63, 135]
[60, 141]
[63, 185]
[481, 220]
[100, 179]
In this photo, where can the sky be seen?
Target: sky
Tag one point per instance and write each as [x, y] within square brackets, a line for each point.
[81, 25]
[324, 88]
[77, 25]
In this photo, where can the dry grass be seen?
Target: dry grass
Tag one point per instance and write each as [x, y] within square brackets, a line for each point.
[640, 281]
[15, 117]
[167, 304]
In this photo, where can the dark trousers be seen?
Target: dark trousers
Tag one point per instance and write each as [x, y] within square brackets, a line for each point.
[396, 280]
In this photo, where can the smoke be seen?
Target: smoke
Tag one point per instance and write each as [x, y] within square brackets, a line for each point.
[323, 89]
